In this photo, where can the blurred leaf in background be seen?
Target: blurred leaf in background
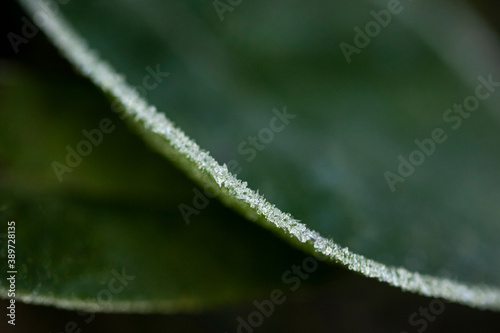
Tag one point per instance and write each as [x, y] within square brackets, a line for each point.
[353, 121]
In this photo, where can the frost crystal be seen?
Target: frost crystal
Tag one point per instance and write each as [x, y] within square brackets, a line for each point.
[103, 75]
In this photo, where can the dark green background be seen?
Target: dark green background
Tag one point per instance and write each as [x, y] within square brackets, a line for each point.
[348, 303]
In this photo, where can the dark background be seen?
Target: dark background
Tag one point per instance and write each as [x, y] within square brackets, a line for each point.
[351, 304]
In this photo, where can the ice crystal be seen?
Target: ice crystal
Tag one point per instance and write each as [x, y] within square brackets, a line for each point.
[102, 74]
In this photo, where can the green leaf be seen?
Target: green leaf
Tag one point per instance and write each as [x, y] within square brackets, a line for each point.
[328, 166]
[114, 215]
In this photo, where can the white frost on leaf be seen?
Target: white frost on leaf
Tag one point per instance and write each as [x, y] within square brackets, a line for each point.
[103, 75]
